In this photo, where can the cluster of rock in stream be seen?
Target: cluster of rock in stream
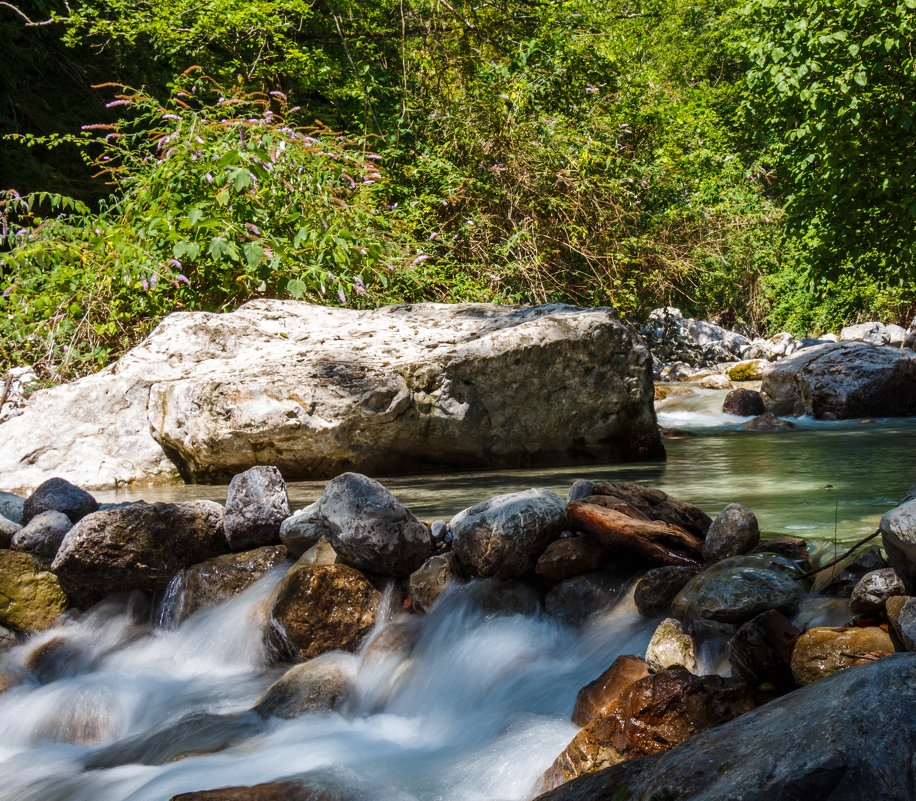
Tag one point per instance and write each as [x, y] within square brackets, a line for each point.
[724, 597]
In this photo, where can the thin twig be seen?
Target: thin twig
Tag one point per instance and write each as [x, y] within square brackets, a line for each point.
[840, 558]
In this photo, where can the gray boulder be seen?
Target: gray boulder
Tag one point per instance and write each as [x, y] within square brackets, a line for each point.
[874, 588]
[321, 684]
[901, 614]
[61, 496]
[11, 507]
[136, 547]
[909, 339]
[256, 505]
[735, 590]
[874, 333]
[504, 536]
[733, 532]
[849, 736]
[302, 530]
[370, 528]
[843, 380]
[43, 534]
[898, 536]
[8, 530]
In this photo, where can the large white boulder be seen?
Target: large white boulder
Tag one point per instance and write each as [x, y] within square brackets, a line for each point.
[318, 390]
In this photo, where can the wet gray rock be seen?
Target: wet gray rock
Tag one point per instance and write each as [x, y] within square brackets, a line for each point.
[302, 530]
[11, 507]
[438, 529]
[735, 531]
[256, 505]
[743, 402]
[503, 536]
[657, 589]
[61, 496]
[575, 599]
[429, 580]
[371, 529]
[874, 333]
[841, 739]
[898, 536]
[570, 556]
[736, 589]
[8, 530]
[873, 590]
[502, 596]
[909, 339]
[319, 685]
[43, 534]
[901, 614]
[581, 488]
[138, 547]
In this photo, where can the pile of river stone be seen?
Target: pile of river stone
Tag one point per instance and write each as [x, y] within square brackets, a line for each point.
[724, 600]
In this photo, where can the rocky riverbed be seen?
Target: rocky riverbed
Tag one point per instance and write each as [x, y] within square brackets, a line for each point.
[744, 639]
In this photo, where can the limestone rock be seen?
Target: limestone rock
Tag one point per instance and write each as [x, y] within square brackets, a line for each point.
[599, 696]
[321, 684]
[873, 590]
[717, 381]
[657, 505]
[503, 536]
[735, 531]
[850, 736]
[671, 646]
[317, 390]
[874, 333]
[761, 650]
[898, 536]
[61, 496]
[256, 505]
[43, 534]
[909, 339]
[136, 547]
[901, 614]
[822, 651]
[570, 556]
[843, 380]
[743, 402]
[320, 608]
[735, 590]
[671, 336]
[31, 598]
[11, 507]
[302, 530]
[429, 580]
[658, 588]
[767, 422]
[370, 528]
[8, 530]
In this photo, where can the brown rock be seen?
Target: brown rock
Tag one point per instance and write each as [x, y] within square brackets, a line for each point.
[822, 651]
[794, 549]
[767, 422]
[761, 650]
[283, 790]
[320, 608]
[313, 686]
[653, 715]
[661, 542]
[598, 696]
[743, 402]
[570, 557]
[31, 598]
[658, 588]
[657, 505]
[901, 614]
[429, 580]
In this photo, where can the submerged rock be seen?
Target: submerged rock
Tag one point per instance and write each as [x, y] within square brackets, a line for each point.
[735, 531]
[43, 534]
[575, 599]
[31, 598]
[599, 696]
[303, 788]
[767, 422]
[822, 651]
[321, 684]
[61, 496]
[256, 505]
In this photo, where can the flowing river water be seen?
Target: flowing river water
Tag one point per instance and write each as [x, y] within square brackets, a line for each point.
[113, 707]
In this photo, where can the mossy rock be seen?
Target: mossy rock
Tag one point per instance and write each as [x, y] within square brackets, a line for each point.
[31, 598]
[751, 370]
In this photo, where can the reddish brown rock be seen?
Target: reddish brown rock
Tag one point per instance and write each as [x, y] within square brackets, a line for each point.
[570, 557]
[767, 422]
[598, 696]
[761, 650]
[658, 505]
[822, 651]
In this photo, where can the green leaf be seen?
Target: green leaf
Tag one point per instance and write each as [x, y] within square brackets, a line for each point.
[297, 288]
[222, 197]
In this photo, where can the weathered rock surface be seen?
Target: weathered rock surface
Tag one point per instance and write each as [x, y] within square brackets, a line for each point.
[671, 336]
[822, 651]
[503, 536]
[61, 496]
[767, 422]
[656, 590]
[302, 530]
[873, 590]
[761, 650]
[654, 714]
[743, 402]
[429, 580]
[11, 507]
[909, 338]
[570, 556]
[136, 547]
[319, 390]
[898, 536]
[901, 614]
[31, 598]
[320, 608]
[843, 380]
[874, 333]
[735, 590]
[43, 534]
[671, 646]
[843, 739]
[600, 695]
[321, 684]
[371, 529]
[657, 505]
[716, 381]
[734, 531]
[256, 505]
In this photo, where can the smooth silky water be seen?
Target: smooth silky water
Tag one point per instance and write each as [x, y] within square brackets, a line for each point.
[479, 705]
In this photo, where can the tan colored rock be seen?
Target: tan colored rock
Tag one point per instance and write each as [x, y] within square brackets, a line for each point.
[429, 580]
[321, 553]
[671, 646]
[315, 686]
[717, 381]
[31, 598]
[570, 557]
[822, 651]
[320, 608]
[598, 696]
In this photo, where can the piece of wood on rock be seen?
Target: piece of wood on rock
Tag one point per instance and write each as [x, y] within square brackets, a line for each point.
[256, 505]
[822, 651]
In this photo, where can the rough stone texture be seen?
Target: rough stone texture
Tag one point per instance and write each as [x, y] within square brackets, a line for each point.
[767, 422]
[743, 402]
[873, 590]
[750, 370]
[8, 530]
[761, 650]
[320, 608]
[901, 614]
[575, 599]
[320, 390]
[504, 536]
[852, 736]
[209, 583]
[843, 380]
[371, 529]
[654, 714]
[657, 505]
[909, 338]
[31, 598]
[822, 651]
[715, 382]
[671, 336]
[735, 531]
[61, 496]
[429, 580]
[657, 589]
[735, 590]
[874, 333]
[503, 596]
[570, 556]
[898, 536]
[136, 547]
[302, 530]
[670, 647]
[600, 695]
[43, 534]
[318, 685]
[11, 507]
[256, 505]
